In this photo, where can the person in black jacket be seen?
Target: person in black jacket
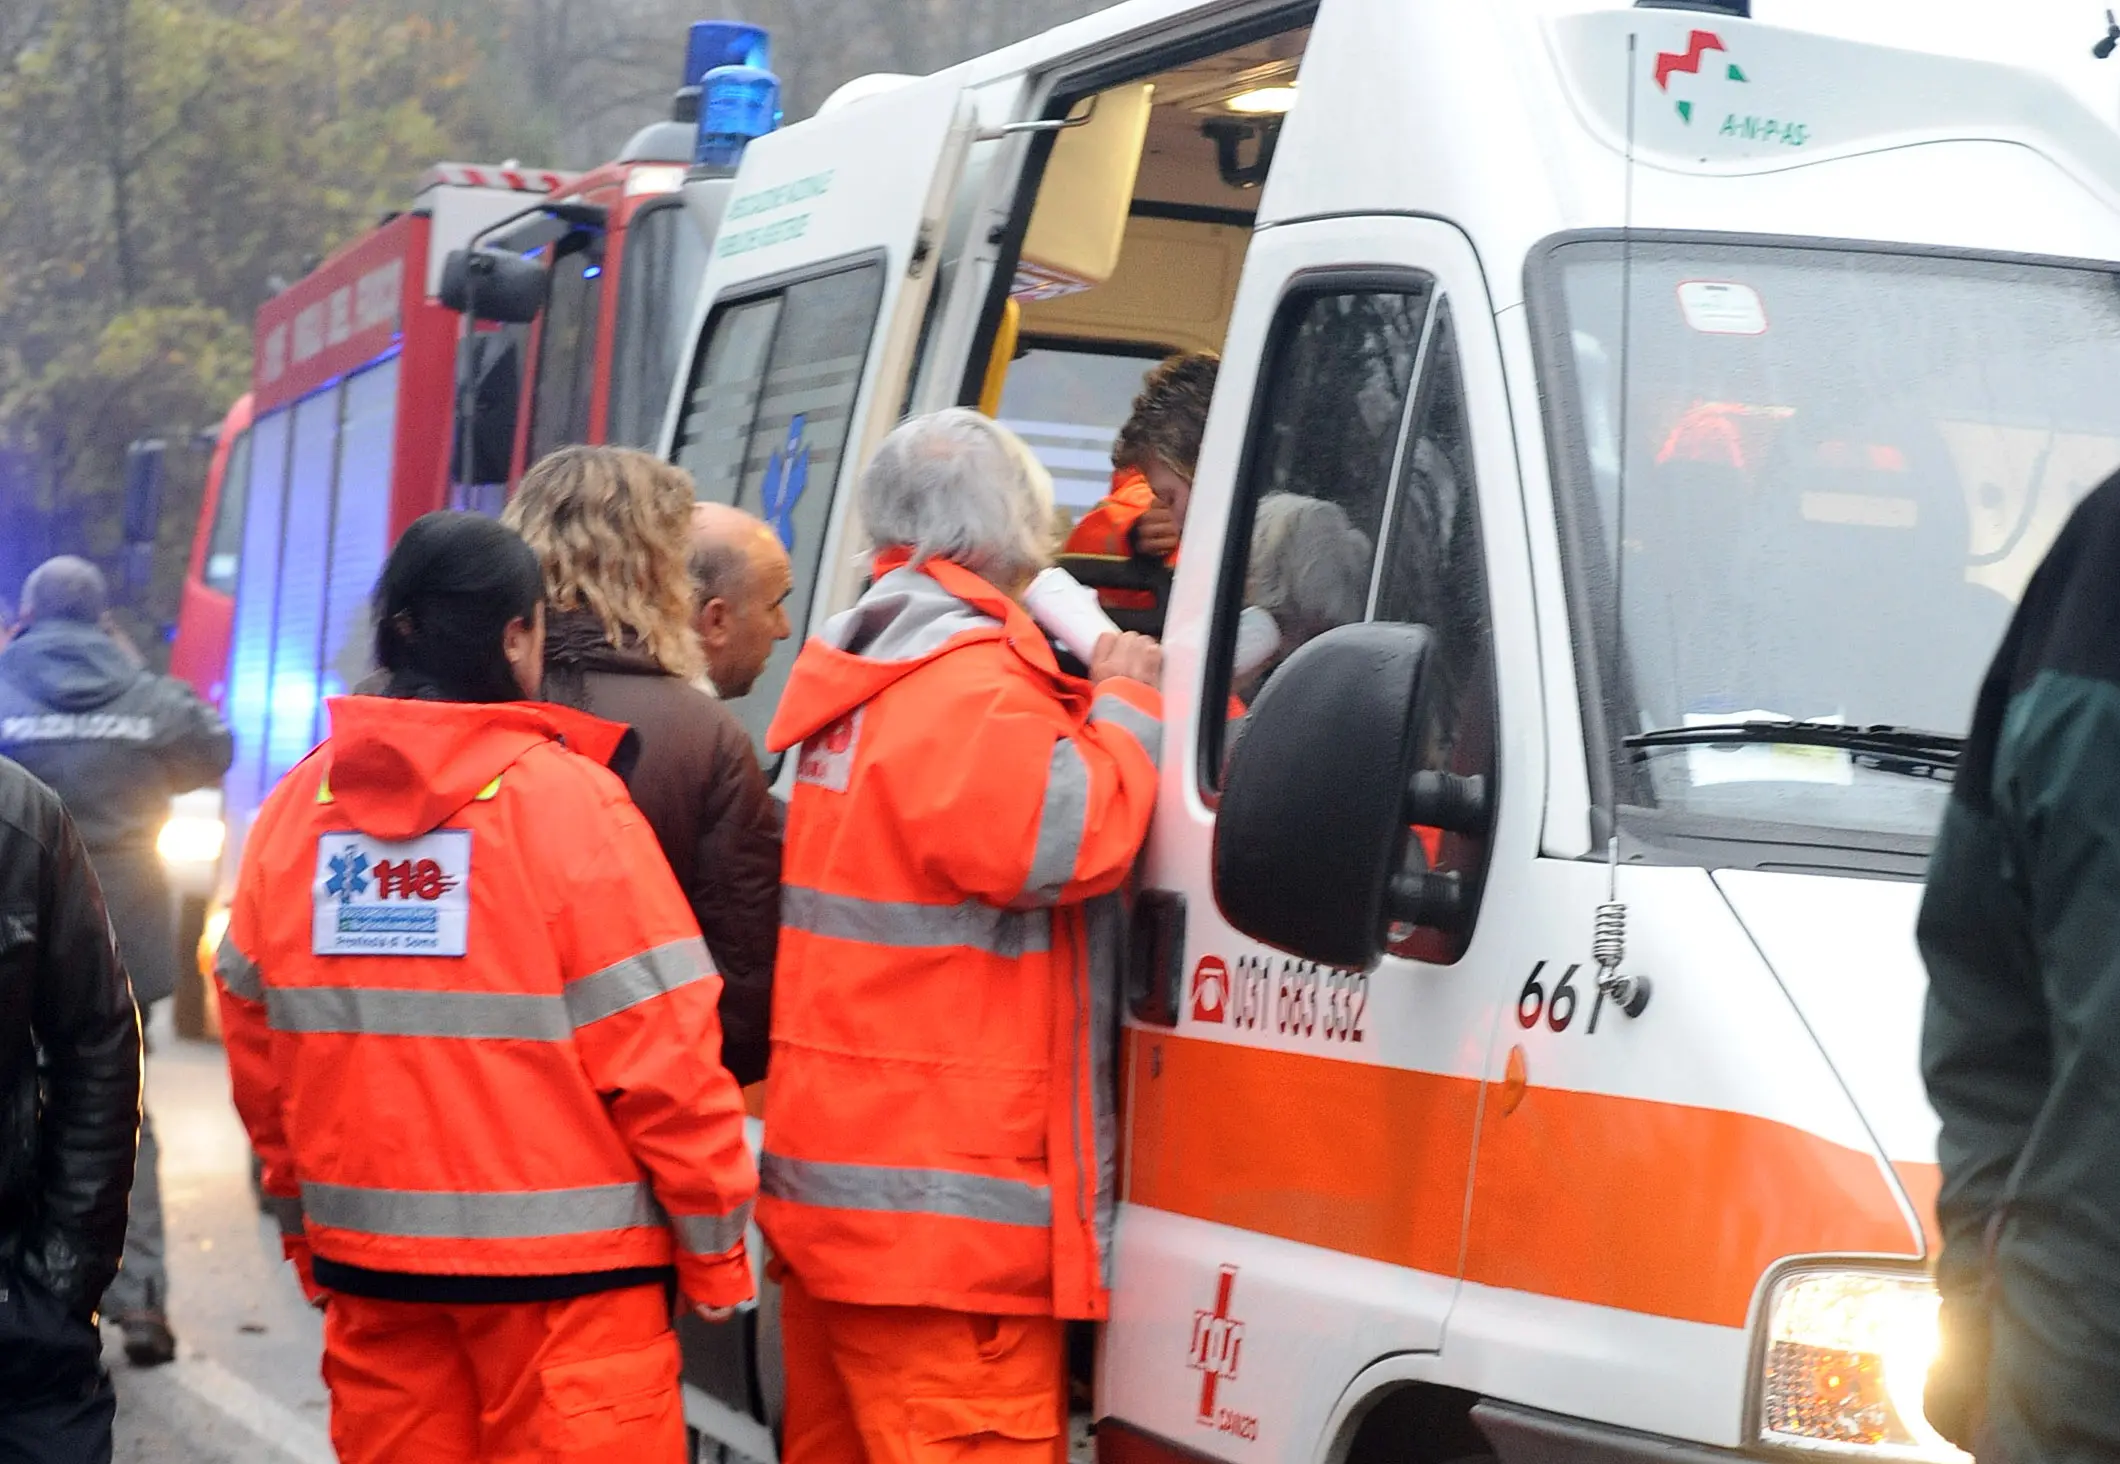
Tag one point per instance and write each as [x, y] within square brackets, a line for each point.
[117, 743]
[69, 1110]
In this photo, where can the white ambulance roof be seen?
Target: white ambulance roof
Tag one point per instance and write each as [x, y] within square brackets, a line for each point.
[1510, 119]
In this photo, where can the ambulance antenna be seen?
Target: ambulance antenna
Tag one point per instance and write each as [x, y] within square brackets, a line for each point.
[1608, 943]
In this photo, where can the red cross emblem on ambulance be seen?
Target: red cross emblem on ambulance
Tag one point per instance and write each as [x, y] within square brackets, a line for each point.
[1217, 1339]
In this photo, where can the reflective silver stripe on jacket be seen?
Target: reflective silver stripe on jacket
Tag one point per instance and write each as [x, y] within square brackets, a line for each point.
[238, 972]
[478, 1215]
[1062, 824]
[370, 1011]
[711, 1235]
[905, 1191]
[636, 979]
[903, 616]
[1007, 933]
[287, 1210]
[1147, 730]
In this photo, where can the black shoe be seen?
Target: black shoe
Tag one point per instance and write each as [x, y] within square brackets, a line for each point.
[148, 1340]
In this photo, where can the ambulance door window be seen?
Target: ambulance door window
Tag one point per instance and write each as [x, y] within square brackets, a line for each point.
[723, 401]
[1433, 573]
[566, 352]
[766, 423]
[1326, 434]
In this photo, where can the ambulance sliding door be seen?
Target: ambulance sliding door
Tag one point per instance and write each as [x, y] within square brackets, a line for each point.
[808, 321]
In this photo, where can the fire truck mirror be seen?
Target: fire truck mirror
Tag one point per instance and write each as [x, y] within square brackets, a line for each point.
[1312, 826]
[488, 284]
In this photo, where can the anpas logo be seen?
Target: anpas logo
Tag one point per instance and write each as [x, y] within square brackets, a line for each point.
[392, 899]
[1737, 125]
[1217, 1345]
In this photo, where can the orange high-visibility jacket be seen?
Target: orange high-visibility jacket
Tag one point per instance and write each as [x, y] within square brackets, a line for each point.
[1108, 528]
[470, 1020]
[939, 1110]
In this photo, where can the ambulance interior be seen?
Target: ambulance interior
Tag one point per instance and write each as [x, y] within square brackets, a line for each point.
[1137, 231]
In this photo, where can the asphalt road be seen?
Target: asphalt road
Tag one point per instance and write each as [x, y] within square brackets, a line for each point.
[244, 1388]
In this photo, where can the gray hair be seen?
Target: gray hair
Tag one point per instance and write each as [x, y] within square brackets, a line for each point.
[959, 486]
[1309, 566]
[65, 588]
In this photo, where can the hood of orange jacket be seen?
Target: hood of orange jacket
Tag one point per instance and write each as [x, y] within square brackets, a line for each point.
[399, 767]
[900, 626]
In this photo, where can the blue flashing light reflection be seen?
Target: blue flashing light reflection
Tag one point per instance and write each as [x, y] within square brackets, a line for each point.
[592, 271]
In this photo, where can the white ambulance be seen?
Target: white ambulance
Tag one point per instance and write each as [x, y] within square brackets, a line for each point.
[1638, 423]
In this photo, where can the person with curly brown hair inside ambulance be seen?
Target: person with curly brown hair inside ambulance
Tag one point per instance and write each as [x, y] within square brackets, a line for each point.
[1143, 516]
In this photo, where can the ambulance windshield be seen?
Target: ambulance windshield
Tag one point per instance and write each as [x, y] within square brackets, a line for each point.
[1842, 468]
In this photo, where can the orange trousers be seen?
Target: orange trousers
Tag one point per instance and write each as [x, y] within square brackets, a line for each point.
[592, 1380]
[915, 1385]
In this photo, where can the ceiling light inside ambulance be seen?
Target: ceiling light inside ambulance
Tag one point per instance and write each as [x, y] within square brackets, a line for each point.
[1264, 101]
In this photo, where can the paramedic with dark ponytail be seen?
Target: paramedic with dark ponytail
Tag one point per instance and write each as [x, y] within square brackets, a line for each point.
[938, 1180]
[471, 1030]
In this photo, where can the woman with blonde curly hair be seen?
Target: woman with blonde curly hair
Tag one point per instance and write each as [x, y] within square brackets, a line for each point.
[611, 529]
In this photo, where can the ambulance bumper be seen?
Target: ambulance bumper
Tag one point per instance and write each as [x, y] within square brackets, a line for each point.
[1527, 1436]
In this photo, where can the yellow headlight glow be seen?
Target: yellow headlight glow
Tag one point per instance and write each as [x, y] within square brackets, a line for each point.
[188, 838]
[1847, 1355]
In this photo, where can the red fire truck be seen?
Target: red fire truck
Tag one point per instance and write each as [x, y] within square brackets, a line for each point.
[342, 440]
[351, 394]
[373, 401]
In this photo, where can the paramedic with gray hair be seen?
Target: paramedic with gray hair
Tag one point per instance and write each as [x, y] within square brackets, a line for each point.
[116, 742]
[1308, 573]
[940, 1111]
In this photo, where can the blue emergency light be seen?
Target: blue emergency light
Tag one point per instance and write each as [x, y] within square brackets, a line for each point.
[728, 79]
[712, 43]
[736, 104]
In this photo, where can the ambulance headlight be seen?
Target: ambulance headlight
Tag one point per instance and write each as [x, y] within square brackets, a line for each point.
[1847, 1354]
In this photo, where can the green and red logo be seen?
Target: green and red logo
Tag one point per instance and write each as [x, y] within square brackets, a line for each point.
[1689, 61]
[1737, 126]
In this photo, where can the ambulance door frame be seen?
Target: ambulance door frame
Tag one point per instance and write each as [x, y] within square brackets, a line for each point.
[971, 317]
[911, 266]
[1443, 1020]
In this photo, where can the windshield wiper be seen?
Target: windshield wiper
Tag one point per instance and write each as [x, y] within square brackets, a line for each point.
[1882, 748]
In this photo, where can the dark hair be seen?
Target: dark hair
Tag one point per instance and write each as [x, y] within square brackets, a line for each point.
[451, 588]
[1170, 414]
[65, 588]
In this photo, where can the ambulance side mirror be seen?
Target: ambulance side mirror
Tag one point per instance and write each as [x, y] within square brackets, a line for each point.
[1312, 836]
[493, 285]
